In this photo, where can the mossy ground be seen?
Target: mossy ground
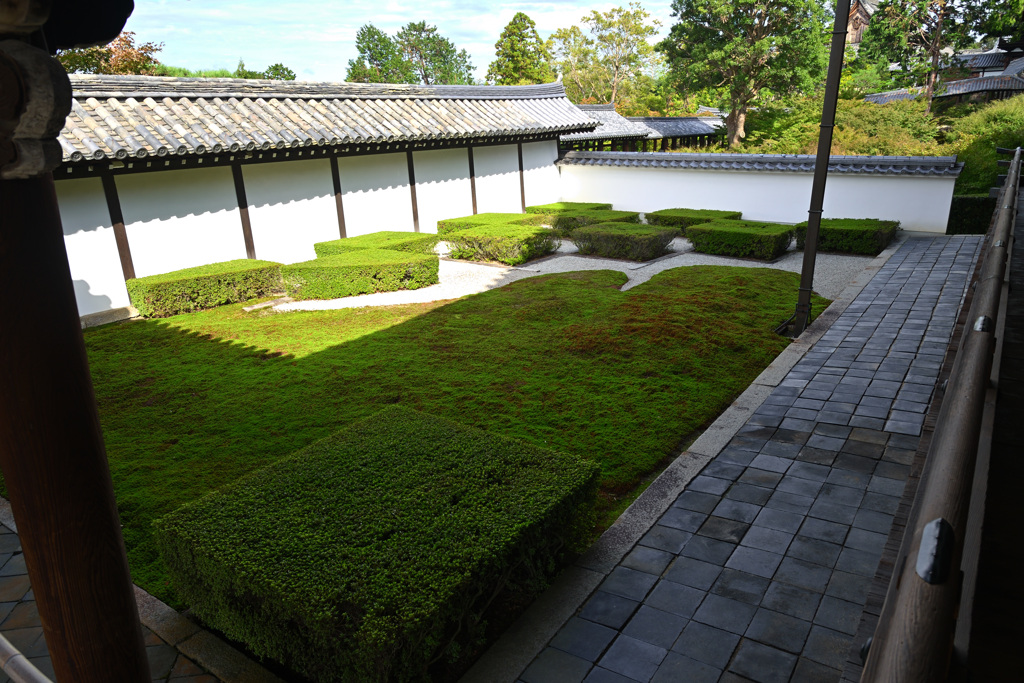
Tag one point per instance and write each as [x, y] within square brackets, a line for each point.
[566, 361]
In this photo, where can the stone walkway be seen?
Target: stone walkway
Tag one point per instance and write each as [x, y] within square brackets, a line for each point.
[760, 568]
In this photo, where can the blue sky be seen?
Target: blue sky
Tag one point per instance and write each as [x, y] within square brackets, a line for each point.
[316, 39]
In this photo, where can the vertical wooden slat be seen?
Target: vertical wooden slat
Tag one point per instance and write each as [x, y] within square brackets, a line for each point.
[522, 182]
[472, 178]
[336, 178]
[124, 250]
[412, 193]
[243, 210]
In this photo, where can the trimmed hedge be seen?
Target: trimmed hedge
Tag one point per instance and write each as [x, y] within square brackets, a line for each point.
[745, 239]
[371, 553]
[511, 244]
[970, 214]
[684, 218]
[449, 225]
[413, 242]
[361, 271]
[192, 289]
[567, 221]
[562, 207]
[867, 236]
[624, 240]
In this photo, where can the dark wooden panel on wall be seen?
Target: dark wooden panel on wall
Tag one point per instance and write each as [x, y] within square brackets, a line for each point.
[412, 194]
[243, 210]
[472, 178]
[124, 250]
[522, 182]
[336, 179]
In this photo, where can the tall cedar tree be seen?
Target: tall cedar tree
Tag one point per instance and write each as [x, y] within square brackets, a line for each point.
[380, 59]
[601, 67]
[747, 47]
[417, 54]
[120, 57]
[521, 56]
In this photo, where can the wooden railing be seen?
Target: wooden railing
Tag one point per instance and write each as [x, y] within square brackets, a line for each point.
[914, 638]
[17, 668]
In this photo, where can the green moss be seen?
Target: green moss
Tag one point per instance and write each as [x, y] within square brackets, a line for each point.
[395, 533]
[361, 271]
[745, 239]
[510, 244]
[623, 240]
[868, 236]
[684, 218]
[449, 225]
[566, 222]
[562, 207]
[416, 243]
[192, 289]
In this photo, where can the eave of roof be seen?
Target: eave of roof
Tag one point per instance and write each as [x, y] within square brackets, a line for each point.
[679, 126]
[982, 84]
[612, 125]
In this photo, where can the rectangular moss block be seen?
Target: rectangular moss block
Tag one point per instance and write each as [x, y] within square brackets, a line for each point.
[361, 271]
[624, 240]
[413, 242]
[743, 239]
[868, 236]
[368, 554]
[449, 225]
[193, 289]
[567, 221]
[684, 218]
[562, 207]
[509, 244]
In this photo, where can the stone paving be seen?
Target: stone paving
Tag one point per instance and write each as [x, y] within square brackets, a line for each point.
[760, 569]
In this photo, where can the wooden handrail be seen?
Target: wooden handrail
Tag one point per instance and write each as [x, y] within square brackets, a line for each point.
[17, 667]
[914, 638]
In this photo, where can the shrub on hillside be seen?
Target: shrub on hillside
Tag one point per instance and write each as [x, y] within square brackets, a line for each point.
[970, 214]
[449, 225]
[684, 218]
[192, 289]
[562, 207]
[624, 240]
[867, 236]
[362, 271]
[397, 534]
[975, 138]
[745, 239]
[414, 242]
[505, 243]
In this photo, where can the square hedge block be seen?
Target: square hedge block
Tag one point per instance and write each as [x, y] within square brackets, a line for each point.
[193, 289]
[362, 271]
[681, 219]
[414, 242]
[868, 236]
[744, 239]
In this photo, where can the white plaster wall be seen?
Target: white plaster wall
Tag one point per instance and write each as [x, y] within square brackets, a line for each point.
[918, 203]
[181, 219]
[442, 186]
[497, 179]
[375, 192]
[540, 175]
[92, 250]
[291, 206]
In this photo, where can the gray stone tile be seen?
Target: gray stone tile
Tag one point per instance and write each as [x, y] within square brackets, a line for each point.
[856, 561]
[739, 585]
[693, 573]
[675, 598]
[879, 522]
[684, 520]
[706, 644]
[806, 470]
[677, 668]
[648, 560]
[599, 675]
[628, 583]
[789, 502]
[804, 574]
[812, 672]
[761, 663]
[723, 470]
[778, 630]
[816, 456]
[727, 530]
[903, 427]
[748, 493]
[706, 484]
[848, 477]
[797, 424]
[800, 487]
[633, 658]
[815, 551]
[771, 463]
[838, 615]
[555, 666]
[723, 613]
[779, 520]
[849, 587]
[736, 456]
[889, 487]
[864, 449]
[781, 449]
[792, 600]
[609, 610]
[763, 538]
[880, 503]
[655, 627]
[583, 639]
[762, 478]
[708, 550]
[824, 530]
[737, 510]
[833, 512]
[841, 495]
[695, 501]
[848, 462]
[861, 421]
[892, 470]
[666, 538]
[827, 647]
[754, 561]
[790, 436]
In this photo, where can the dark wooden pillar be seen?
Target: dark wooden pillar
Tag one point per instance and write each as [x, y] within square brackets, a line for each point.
[336, 180]
[472, 178]
[124, 250]
[522, 181]
[412, 193]
[52, 452]
[243, 210]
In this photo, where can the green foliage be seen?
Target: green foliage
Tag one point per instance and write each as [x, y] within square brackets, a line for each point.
[867, 236]
[623, 240]
[754, 49]
[681, 219]
[362, 271]
[976, 136]
[970, 214]
[521, 57]
[182, 72]
[505, 243]
[417, 54]
[614, 59]
[119, 57]
[273, 72]
[400, 530]
[745, 239]
[450, 225]
[566, 222]
[380, 59]
[563, 207]
[417, 243]
[193, 289]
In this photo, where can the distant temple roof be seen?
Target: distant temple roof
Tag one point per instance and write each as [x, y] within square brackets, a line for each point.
[114, 117]
[679, 126]
[894, 95]
[613, 125]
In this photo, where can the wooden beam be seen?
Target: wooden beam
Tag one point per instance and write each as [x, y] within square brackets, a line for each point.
[336, 179]
[124, 250]
[522, 181]
[412, 194]
[472, 178]
[52, 453]
[243, 210]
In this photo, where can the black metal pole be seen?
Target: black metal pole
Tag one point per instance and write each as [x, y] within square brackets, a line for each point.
[802, 317]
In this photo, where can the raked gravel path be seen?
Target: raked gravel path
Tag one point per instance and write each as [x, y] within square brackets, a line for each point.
[460, 278]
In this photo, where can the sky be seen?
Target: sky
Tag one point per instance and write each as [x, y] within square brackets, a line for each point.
[316, 39]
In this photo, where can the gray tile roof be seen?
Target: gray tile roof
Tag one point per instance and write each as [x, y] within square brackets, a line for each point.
[894, 95]
[613, 125]
[140, 116]
[775, 163]
[1014, 68]
[679, 126]
[982, 84]
[987, 60]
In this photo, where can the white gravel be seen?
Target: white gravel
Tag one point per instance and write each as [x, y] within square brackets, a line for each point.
[832, 273]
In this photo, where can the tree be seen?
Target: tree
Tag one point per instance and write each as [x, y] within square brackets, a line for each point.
[274, 72]
[751, 48]
[417, 54]
[521, 57]
[120, 57]
[617, 55]
[380, 59]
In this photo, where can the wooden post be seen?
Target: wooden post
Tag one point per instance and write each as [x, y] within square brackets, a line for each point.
[124, 250]
[243, 210]
[412, 193]
[472, 178]
[52, 453]
[336, 179]
[522, 181]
